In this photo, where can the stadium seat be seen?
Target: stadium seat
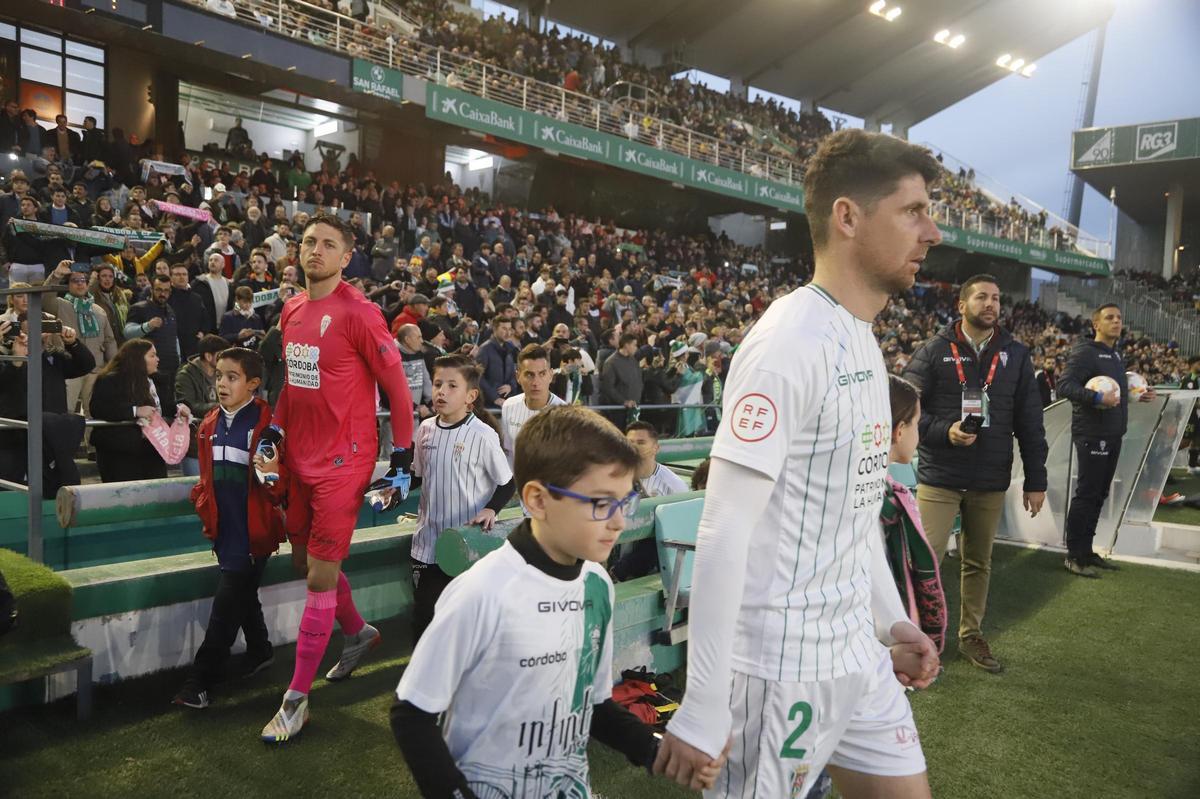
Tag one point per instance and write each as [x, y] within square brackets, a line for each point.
[675, 528]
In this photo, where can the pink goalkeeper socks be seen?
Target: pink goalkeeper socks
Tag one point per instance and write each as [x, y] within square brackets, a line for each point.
[347, 615]
[315, 627]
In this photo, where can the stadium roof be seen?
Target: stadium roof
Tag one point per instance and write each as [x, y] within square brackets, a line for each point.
[837, 52]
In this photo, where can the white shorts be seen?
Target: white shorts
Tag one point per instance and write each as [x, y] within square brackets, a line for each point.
[785, 733]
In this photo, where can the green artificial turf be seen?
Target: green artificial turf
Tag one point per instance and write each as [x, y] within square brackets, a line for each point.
[1099, 699]
[43, 601]
[1183, 483]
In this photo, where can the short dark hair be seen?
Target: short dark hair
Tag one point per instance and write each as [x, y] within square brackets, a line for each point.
[212, 344]
[863, 166]
[498, 320]
[573, 354]
[243, 293]
[251, 362]
[625, 339]
[532, 352]
[644, 426]
[973, 281]
[162, 279]
[700, 476]
[1096, 313]
[467, 367]
[562, 442]
[904, 398]
[336, 222]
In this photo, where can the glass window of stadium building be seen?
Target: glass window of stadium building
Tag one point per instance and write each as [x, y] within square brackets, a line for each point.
[53, 74]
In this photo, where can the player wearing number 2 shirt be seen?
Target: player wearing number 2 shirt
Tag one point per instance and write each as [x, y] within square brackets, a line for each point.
[336, 347]
[791, 593]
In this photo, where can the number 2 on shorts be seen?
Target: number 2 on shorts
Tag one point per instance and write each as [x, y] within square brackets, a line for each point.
[789, 748]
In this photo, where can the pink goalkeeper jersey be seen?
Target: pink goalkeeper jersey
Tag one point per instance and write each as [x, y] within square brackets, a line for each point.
[335, 350]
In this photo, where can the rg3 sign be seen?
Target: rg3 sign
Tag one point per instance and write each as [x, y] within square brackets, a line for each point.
[754, 417]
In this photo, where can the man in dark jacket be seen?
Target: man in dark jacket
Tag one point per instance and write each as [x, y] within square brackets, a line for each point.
[1047, 381]
[196, 387]
[975, 368]
[1098, 424]
[1191, 382]
[154, 319]
[190, 315]
[621, 381]
[497, 357]
[64, 357]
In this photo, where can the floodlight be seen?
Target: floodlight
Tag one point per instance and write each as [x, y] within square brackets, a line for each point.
[1028, 71]
[941, 36]
[891, 15]
[1003, 60]
[957, 41]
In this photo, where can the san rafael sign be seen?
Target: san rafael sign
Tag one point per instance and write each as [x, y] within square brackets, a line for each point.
[378, 80]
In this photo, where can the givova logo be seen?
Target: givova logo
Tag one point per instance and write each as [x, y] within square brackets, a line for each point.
[1155, 141]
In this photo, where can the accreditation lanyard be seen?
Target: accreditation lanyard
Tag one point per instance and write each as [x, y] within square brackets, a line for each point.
[962, 377]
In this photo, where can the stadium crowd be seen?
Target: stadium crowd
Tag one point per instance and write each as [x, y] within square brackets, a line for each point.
[641, 94]
[632, 317]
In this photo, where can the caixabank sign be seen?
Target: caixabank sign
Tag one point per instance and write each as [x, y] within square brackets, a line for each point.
[466, 110]
[1151, 142]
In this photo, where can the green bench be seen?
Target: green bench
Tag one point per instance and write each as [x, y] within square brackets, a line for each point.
[41, 644]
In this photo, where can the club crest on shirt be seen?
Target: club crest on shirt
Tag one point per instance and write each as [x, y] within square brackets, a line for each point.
[459, 448]
[325, 321]
[798, 775]
[1004, 357]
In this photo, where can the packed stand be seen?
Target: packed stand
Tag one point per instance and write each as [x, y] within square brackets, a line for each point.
[633, 318]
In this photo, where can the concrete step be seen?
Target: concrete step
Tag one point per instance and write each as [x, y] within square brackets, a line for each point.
[1179, 555]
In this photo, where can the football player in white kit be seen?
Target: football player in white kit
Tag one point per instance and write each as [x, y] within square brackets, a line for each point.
[793, 606]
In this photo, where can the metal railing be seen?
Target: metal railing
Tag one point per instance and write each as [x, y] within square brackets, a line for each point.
[1065, 237]
[323, 28]
[1011, 230]
[1139, 312]
[33, 404]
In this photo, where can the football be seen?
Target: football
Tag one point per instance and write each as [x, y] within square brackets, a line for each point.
[1102, 383]
[1137, 385]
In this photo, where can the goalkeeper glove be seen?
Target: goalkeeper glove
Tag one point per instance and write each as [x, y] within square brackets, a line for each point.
[268, 447]
[395, 481]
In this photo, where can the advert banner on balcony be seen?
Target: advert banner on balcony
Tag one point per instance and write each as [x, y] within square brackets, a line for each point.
[1025, 253]
[378, 80]
[1136, 144]
[487, 116]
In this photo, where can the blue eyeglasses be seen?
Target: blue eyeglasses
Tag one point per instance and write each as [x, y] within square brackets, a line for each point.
[603, 508]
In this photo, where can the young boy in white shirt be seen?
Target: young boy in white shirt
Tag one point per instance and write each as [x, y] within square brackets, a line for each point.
[519, 654]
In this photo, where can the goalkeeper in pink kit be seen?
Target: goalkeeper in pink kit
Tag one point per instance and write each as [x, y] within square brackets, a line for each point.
[336, 346]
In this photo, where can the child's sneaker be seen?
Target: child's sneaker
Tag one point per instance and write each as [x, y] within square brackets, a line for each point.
[192, 695]
[353, 651]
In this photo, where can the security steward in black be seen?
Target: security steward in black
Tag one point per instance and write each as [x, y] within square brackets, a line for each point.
[1098, 424]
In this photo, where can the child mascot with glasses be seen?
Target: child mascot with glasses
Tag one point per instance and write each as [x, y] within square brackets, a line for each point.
[519, 655]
